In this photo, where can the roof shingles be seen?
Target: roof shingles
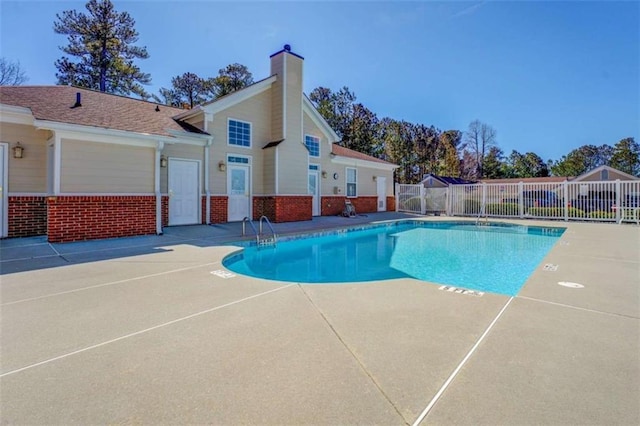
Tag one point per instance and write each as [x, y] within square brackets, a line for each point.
[346, 152]
[55, 103]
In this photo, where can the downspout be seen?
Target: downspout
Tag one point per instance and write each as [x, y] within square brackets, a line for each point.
[206, 181]
[159, 147]
[277, 185]
[57, 160]
[207, 209]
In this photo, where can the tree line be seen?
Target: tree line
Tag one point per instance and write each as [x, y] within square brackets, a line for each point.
[101, 54]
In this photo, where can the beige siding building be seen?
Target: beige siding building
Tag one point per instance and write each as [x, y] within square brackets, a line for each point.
[78, 164]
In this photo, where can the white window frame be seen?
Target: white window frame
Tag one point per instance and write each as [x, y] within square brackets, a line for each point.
[319, 145]
[229, 119]
[346, 182]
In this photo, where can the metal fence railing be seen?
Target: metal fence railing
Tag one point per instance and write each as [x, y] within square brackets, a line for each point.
[603, 201]
[606, 201]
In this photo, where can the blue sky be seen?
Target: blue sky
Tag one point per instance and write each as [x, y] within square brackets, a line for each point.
[548, 76]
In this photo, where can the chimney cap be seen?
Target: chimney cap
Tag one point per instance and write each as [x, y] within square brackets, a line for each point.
[287, 49]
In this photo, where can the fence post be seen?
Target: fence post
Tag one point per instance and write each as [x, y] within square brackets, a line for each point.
[484, 198]
[447, 200]
[423, 201]
[397, 196]
[520, 201]
[565, 195]
[618, 203]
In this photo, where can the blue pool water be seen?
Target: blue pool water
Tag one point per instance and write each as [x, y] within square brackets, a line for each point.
[495, 258]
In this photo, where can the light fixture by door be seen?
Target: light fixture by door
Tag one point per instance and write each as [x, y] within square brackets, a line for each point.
[18, 151]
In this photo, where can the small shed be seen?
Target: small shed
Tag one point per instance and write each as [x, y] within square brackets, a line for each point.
[435, 191]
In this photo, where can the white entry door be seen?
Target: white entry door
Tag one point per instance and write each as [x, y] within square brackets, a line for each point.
[238, 192]
[4, 159]
[382, 193]
[314, 189]
[184, 194]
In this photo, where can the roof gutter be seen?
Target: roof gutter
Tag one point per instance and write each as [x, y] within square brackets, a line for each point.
[119, 137]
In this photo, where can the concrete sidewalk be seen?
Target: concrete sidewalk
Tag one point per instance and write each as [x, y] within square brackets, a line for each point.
[142, 331]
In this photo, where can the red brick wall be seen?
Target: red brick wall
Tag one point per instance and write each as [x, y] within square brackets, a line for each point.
[74, 218]
[264, 206]
[391, 204]
[283, 208]
[331, 205]
[219, 208]
[165, 210]
[27, 216]
[366, 204]
[334, 205]
[293, 208]
[203, 209]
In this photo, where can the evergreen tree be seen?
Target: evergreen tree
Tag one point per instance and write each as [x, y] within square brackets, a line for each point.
[102, 50]
[231, 78]
[187, 89]
[626, 156]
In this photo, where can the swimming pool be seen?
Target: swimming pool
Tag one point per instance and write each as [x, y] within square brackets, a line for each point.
[494, 257]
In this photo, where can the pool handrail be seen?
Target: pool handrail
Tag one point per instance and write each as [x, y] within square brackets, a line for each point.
[255, 231]
[273, 232]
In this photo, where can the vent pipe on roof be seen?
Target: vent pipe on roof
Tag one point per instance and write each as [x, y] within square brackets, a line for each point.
[78, 100]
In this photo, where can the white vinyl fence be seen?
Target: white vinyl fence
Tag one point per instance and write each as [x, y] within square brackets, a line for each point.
[605, 201]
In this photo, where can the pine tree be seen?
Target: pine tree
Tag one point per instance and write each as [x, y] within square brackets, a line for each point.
[101, 49]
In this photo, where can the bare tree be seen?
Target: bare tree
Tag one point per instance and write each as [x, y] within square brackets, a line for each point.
[11, 73]
[479, 138]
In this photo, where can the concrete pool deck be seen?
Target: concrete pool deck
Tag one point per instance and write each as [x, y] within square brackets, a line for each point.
[140, 330]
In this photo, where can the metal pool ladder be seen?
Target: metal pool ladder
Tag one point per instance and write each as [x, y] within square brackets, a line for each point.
[267, 241]
[259, 234]
[482, 212]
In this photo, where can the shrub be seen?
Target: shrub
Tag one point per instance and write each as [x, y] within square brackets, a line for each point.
[574, 212]
[547, 211]
[502, 209]
[471, 206]
[602, 215]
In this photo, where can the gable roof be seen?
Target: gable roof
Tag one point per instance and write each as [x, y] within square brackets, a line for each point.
[350, 153]
[608, 168]
[319, 120]
[448, 180]
[547, 179]
[98, 109]
[230, 99]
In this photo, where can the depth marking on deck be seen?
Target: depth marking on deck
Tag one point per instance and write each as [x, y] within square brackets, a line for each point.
[457, 290]
[223, 274]
[155, 327]
[459, 367]
[550, 267]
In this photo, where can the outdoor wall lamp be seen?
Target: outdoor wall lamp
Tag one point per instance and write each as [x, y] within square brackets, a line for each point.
[163, 161]
[375, 178]
[18, 151]
[324, 174]
[221, 166]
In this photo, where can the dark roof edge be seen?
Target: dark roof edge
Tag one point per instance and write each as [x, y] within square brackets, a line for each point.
[272, 144]
[286, 51]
